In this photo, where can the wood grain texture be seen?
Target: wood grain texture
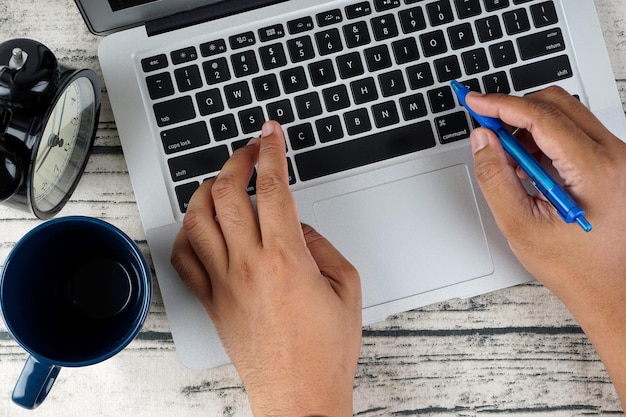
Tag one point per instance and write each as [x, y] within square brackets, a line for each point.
[515, 352]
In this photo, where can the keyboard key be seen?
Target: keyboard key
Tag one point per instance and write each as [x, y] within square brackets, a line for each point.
[301, 136]
[502, 54]
[433, 43]
[412, 20]
[272, 56]
[294, 79]
[185, 137]
[382, 5]
[154, 63]
[391, 83]
[489, 29]
[441, 99]
[181, 56]
[266, 87]
[493, 5]
[385, 114]
[364, 90]
[160, 85]
[174, 111]
[544, 14]
[540, 44]
[420, 76]
[475, 61]
[357, 122]
[251, 120]
[281, 111]
[322, 72]
[237, 94]
[308, 105]
[244, 63]
[516, 21]
[216, 71]
[377, 58]
[384, 27]
[461, 36]
[329, 129]
[224, 127]
[467, 8]
[405, 50]
[541, 73]
[300, 49]
[328, 42]
[184, 193]
[242, 40]
[365, 150]
[329, 18]
[357, 10]
[439, 12]
[350, 65]
[496, 83]
[271, 33]
[336, 98]
[413, 107]
[356, 34]
[300, 25]
[210, 102]
[452, 127]
[188, 78]
[198, 163]
[447, 68]
[212, 48]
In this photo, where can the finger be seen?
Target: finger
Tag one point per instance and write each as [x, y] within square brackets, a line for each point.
[278, 215]
[513, 208]
[233, 207]
[342, 276]
[190, 269]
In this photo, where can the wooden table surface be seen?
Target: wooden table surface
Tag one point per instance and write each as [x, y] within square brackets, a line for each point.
[514, 352]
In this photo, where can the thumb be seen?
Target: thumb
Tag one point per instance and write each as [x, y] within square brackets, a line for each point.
[513, 208]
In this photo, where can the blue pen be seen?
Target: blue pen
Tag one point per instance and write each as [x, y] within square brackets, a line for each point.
[564, 204]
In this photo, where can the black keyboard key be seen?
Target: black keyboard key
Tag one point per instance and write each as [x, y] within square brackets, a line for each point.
[412, 20]
[420, 76]
[447, 68]
[439, 12]
[329, 129]
[493, 5]
[541, 73]
[441, 99]
[461, 36]
[489, 29]
[300, 25]
[329, 18]
[160, 85]
[365, 150]
[452, 127]
[212, 48]
[544, 14]
[502, 54]
[184, 193]
[364, 90]
[405, 50]
[475, 61]
[266, 87]
[382, 5]
[350, 65]
[244, 63]
[224, 127]
[188, 78]
[272, 56]
[174, 111]
[198, 163]
[216, 71]
[271, 33]
[281, 111]
[328, 42]
[300, 49]
[181, 56]
[210, 102]
[497, 83]
[308, 105]
[154, 63]
[294, 79]
[301, 136]
[516, 21]
[413, 107]
[185, 137]
[433, 43]
[391, 83]
[336, 98]
[251, 120]
[384, 27]
[242, 40]
[237, 94]
[540, 44]
[385, 114]
[356, 34]
[358, 10]
[467, 8]
[322, 72]
[377, 58]
[357, 121]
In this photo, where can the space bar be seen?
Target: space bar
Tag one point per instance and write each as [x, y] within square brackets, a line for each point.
[364, 150]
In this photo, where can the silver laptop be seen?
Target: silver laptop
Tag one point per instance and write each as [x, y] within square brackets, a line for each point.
[378, 147]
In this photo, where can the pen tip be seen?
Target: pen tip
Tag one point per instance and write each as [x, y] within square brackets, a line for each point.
[584, 223]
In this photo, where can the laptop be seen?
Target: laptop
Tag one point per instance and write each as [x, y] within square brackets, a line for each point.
[377, 145]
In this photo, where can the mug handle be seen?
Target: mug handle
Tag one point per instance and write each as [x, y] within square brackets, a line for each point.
[34, 383]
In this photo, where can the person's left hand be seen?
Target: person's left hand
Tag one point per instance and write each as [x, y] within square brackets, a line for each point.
[285, 302]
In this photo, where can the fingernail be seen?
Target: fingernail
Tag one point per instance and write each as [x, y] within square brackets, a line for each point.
[253, 141]
[268, 129]
[479, 139]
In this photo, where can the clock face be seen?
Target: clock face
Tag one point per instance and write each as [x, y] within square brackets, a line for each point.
[64, 146]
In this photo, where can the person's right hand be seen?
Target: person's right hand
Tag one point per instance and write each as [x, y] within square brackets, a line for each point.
[587, 271]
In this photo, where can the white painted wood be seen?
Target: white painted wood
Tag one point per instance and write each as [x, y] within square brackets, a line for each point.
[516, 352]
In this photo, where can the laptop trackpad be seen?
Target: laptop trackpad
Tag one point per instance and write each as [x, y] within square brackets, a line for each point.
[410, 236]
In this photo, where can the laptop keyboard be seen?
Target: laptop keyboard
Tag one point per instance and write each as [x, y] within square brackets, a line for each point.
[354, 85]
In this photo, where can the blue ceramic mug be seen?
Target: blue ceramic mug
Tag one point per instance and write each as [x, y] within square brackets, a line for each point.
[74, 291]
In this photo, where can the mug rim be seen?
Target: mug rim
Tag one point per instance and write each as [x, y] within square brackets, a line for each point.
[144, 274]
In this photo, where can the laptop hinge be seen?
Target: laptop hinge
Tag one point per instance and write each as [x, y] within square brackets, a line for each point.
[204, 14]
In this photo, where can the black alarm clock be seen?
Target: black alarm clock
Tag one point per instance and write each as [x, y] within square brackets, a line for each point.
[48, 120]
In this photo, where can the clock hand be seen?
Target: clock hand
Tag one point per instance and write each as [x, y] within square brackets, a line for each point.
[54, 139]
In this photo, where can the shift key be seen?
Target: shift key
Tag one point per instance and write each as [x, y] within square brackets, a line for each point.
[203, 162]
[541, 73]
